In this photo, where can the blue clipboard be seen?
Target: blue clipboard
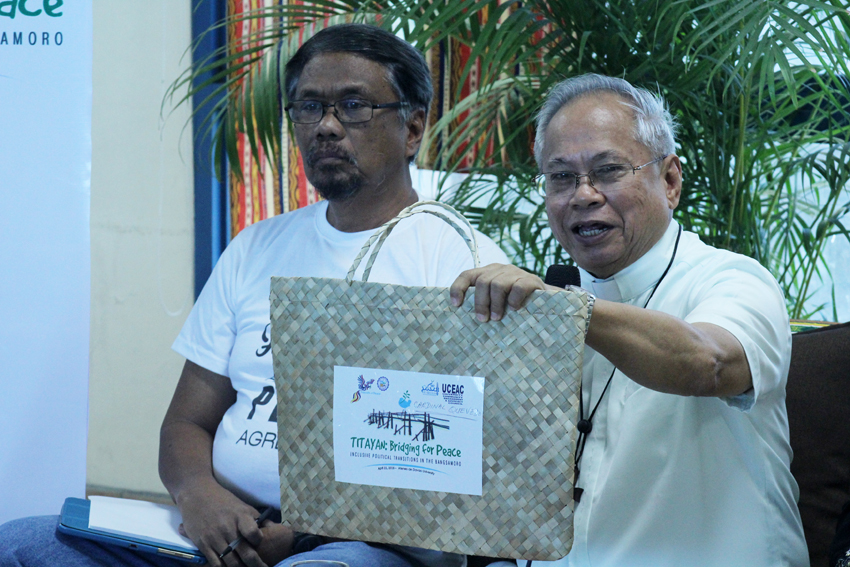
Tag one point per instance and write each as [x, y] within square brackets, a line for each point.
[74, 521]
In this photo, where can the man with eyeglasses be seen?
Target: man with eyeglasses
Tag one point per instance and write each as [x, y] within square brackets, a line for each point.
[358, 98]
[682, 456]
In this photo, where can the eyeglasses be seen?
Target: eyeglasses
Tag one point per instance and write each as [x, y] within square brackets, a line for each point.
[348, 111]
[603, 178]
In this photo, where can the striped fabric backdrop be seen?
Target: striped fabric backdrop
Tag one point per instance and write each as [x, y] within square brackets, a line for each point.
[257, 195]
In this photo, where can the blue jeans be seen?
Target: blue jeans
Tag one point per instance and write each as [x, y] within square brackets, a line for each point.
[34, 542]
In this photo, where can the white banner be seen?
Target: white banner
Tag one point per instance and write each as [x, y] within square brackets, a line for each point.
[45, 174]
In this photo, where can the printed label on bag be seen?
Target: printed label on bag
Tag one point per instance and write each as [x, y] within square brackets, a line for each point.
[408, 429]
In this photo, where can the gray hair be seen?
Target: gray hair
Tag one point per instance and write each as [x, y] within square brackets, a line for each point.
[655, 127]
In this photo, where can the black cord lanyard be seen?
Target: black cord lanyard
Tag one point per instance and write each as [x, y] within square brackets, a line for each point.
[585, 426]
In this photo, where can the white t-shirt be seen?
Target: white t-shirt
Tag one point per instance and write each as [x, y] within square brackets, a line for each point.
[691, 481]
[228, 330]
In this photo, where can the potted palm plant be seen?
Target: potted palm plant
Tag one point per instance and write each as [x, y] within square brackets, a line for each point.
[760, 90]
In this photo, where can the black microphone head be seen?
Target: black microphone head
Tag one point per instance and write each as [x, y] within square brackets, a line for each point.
[560, 275]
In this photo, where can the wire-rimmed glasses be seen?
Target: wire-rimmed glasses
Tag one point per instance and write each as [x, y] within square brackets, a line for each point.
[603, 178]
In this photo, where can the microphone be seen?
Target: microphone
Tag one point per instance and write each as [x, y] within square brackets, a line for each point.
[560, 275]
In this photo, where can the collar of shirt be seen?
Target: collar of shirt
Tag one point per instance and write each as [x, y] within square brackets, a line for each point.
[636, 279]
[339, 238]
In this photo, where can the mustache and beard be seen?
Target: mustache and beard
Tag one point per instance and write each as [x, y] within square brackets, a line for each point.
[334, 181]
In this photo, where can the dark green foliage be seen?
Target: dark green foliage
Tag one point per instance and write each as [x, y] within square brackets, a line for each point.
[764, 139]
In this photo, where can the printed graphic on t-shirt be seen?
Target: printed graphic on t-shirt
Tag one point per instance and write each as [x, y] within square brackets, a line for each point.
[263, 407]
[265, 397]
[267, 341]
[263, 411]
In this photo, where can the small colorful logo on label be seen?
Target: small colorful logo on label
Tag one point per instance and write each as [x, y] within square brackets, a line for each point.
[431, 389]
[383, 383]
[404, 401]
[362, 384]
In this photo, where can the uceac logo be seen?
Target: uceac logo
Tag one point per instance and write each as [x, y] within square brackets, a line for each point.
[453, 393]
[31, 8]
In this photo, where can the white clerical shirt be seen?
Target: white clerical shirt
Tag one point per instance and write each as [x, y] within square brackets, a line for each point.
[685, 481]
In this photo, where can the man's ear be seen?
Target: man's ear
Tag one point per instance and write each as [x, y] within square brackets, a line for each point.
[415, 130]
[671, 175]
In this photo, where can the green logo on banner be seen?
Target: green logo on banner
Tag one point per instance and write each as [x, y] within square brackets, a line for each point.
[30, 8]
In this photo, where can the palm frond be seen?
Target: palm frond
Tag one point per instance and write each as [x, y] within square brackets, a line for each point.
[760, 89]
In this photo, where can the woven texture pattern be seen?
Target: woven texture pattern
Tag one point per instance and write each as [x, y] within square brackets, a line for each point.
[532, 363]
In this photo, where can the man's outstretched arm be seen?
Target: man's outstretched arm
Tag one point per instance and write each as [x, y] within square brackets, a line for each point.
[656, 350]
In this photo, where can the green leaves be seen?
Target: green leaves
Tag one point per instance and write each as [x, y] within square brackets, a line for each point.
[760, 90]
[764, 119]
[249, 73]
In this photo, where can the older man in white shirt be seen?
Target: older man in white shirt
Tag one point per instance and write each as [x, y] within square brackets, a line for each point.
[683, 459]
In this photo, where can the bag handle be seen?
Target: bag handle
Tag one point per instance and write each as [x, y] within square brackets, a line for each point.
[384, 231]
